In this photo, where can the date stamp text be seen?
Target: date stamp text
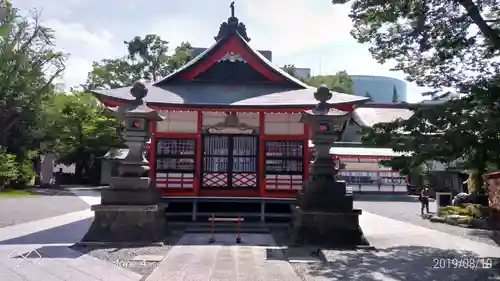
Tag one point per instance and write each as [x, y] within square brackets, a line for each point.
[462, 262]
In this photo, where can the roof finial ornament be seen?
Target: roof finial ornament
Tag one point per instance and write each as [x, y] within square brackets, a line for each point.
[231, 27]
[232, 9]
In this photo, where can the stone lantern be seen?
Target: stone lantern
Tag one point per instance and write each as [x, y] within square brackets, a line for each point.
[130, 209]
[324, 215]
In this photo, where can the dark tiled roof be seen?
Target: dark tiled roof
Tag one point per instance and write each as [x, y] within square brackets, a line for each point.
[229, 95]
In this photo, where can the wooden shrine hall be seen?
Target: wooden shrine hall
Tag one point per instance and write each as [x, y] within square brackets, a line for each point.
[231, 134]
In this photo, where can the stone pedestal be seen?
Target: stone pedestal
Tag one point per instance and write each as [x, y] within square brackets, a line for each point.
[325, 195]
[127, 224]
[325, 216]
[328, 229]
[130, 212]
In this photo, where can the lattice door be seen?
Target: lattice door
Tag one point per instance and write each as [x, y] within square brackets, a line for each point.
[229, 161]
[244, 156]
[215, 162]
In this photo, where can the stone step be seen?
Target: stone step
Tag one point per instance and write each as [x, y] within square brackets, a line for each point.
[243, 224]
[219, 229]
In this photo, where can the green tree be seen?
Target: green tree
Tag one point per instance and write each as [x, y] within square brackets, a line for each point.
[147, 60]
[395, 96]
[340, 82]
[8, 169]
[437, 43]
[290, 69]
[445, 44]
[112, 73]
[464, 129]
[29, 64]
[79, 130]
[5, 18]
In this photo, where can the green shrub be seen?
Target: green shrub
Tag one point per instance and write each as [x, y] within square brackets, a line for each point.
[8, 169]
[470, 210]
[26, 174]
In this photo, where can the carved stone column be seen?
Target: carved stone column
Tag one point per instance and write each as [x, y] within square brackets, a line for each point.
[325, 216]
[130, 209]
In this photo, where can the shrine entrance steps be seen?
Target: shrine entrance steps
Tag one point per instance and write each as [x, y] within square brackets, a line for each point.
[251, 210]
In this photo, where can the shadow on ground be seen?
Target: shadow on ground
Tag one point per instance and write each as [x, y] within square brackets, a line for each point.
[406, 263]
[64, 234]
[50, 192]
[92, 191]
[385, 197]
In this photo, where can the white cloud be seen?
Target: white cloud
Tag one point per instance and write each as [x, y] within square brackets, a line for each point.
[289, 26]
[180, 29]
[84, 47]
[312, 34]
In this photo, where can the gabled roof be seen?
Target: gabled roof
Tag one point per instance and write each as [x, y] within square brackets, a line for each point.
[232, 41]
[270, 86]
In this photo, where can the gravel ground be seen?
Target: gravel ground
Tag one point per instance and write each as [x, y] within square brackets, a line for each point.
[410, 212]
[48, 203]
[124, 256]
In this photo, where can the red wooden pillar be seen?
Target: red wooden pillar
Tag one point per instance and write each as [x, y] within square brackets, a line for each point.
[199, 154]
[262, 154]
[152, 151]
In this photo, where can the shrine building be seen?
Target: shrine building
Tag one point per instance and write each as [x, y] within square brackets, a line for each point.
[231, 134]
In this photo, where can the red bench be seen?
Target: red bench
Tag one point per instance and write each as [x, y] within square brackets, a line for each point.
[213, 219]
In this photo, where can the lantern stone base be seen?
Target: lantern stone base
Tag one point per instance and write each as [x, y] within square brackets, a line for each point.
[127, 224]
[329, 230]
[130, 213]
[325, 216]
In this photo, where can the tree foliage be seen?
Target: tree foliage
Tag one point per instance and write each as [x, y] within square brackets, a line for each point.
[147, 59]
[29, 64]
[437, 43]
[340, 82]
[5, 19]
[78, 130]
[464, 129]
[8, 168]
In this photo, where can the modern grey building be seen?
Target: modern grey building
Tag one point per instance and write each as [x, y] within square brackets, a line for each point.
[379, 88]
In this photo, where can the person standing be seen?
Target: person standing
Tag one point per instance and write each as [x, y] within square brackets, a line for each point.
[424, 200]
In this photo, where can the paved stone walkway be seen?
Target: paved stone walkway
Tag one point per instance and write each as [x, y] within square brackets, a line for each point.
[406, 252]
[193, 260]
[410, 212]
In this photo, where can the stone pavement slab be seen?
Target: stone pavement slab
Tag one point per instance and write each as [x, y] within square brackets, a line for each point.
[194, 259]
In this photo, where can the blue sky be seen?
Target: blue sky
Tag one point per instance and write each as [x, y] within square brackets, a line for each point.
[306, 33]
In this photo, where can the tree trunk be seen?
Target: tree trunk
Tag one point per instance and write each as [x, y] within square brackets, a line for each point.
[488, 32]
